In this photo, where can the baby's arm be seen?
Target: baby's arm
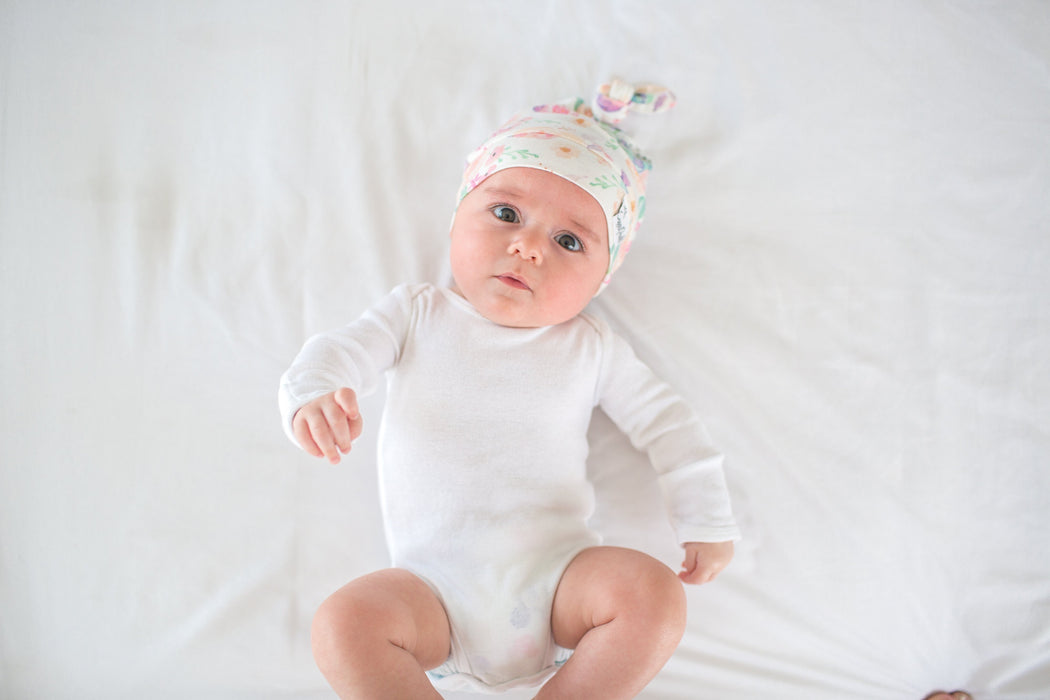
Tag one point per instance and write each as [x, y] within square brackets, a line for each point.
[705, 560]
[326, 426]
[316, 413]
[658, 420]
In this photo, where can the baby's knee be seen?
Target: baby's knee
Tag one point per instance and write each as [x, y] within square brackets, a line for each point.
[390, 609]
[657, 596]
[333, 625]
[646, 595]
[344, 620]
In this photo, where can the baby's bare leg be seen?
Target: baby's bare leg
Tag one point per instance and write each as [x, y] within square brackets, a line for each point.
[624, 613]
[376, 636]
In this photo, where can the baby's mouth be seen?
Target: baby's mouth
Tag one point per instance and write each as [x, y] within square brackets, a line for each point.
[514, 281]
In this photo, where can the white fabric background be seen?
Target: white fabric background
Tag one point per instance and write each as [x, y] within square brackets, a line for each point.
[845, 266]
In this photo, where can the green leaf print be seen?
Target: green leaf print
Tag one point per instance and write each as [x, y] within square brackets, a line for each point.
[603, 181]
[517, 154]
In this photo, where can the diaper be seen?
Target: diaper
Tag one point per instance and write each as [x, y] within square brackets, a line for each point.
[501, 635]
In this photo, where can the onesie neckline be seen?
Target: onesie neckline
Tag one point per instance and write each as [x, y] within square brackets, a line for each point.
[461, 302]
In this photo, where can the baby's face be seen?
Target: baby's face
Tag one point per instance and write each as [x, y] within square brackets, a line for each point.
[529, 248]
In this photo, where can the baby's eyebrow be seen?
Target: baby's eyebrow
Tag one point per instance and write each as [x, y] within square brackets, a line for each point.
[507, 192]
[585, 232]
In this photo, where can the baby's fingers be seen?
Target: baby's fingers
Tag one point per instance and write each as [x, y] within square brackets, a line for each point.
[322, 434]
[326, 426]
[705, 561]
[698, 574]
[341, 428]
[688, 567]
[347, 401]
[304, 436]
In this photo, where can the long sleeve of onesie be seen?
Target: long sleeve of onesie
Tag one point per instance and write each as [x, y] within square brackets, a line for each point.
[659, 421]
[355, 356]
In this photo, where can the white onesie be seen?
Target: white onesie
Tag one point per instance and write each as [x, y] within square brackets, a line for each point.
[482, 461]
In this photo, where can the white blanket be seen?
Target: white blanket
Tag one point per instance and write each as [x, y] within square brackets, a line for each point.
[845, 265]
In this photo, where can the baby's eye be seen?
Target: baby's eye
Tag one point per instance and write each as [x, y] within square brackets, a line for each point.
[569, 242]
[506, 214]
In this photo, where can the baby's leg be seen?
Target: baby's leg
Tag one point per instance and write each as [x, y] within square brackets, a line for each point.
[624, 613]
[376, 636]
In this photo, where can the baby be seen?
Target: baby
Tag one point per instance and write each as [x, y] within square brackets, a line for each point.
[498, 582]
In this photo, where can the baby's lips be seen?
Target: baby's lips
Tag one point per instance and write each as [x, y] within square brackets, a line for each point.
[514, 281]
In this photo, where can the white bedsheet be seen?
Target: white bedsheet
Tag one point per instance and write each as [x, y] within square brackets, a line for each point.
[845, 266]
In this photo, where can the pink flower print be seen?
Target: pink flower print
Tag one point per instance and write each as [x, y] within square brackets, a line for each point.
[484, 167]
[533, 135]
[475, 180]
[578, 106]
[600, 152]
[625, 248]
[551, 109]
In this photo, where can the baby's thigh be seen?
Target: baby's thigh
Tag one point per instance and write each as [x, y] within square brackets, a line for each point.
[391, 606]
[605, 583]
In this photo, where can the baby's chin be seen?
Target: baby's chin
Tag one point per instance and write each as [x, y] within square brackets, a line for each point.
[515, 313]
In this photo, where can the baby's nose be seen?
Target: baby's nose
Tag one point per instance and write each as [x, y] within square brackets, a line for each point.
[527, 246]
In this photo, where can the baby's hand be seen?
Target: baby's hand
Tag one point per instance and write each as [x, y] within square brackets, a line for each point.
[326, 426]
[705, 560]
